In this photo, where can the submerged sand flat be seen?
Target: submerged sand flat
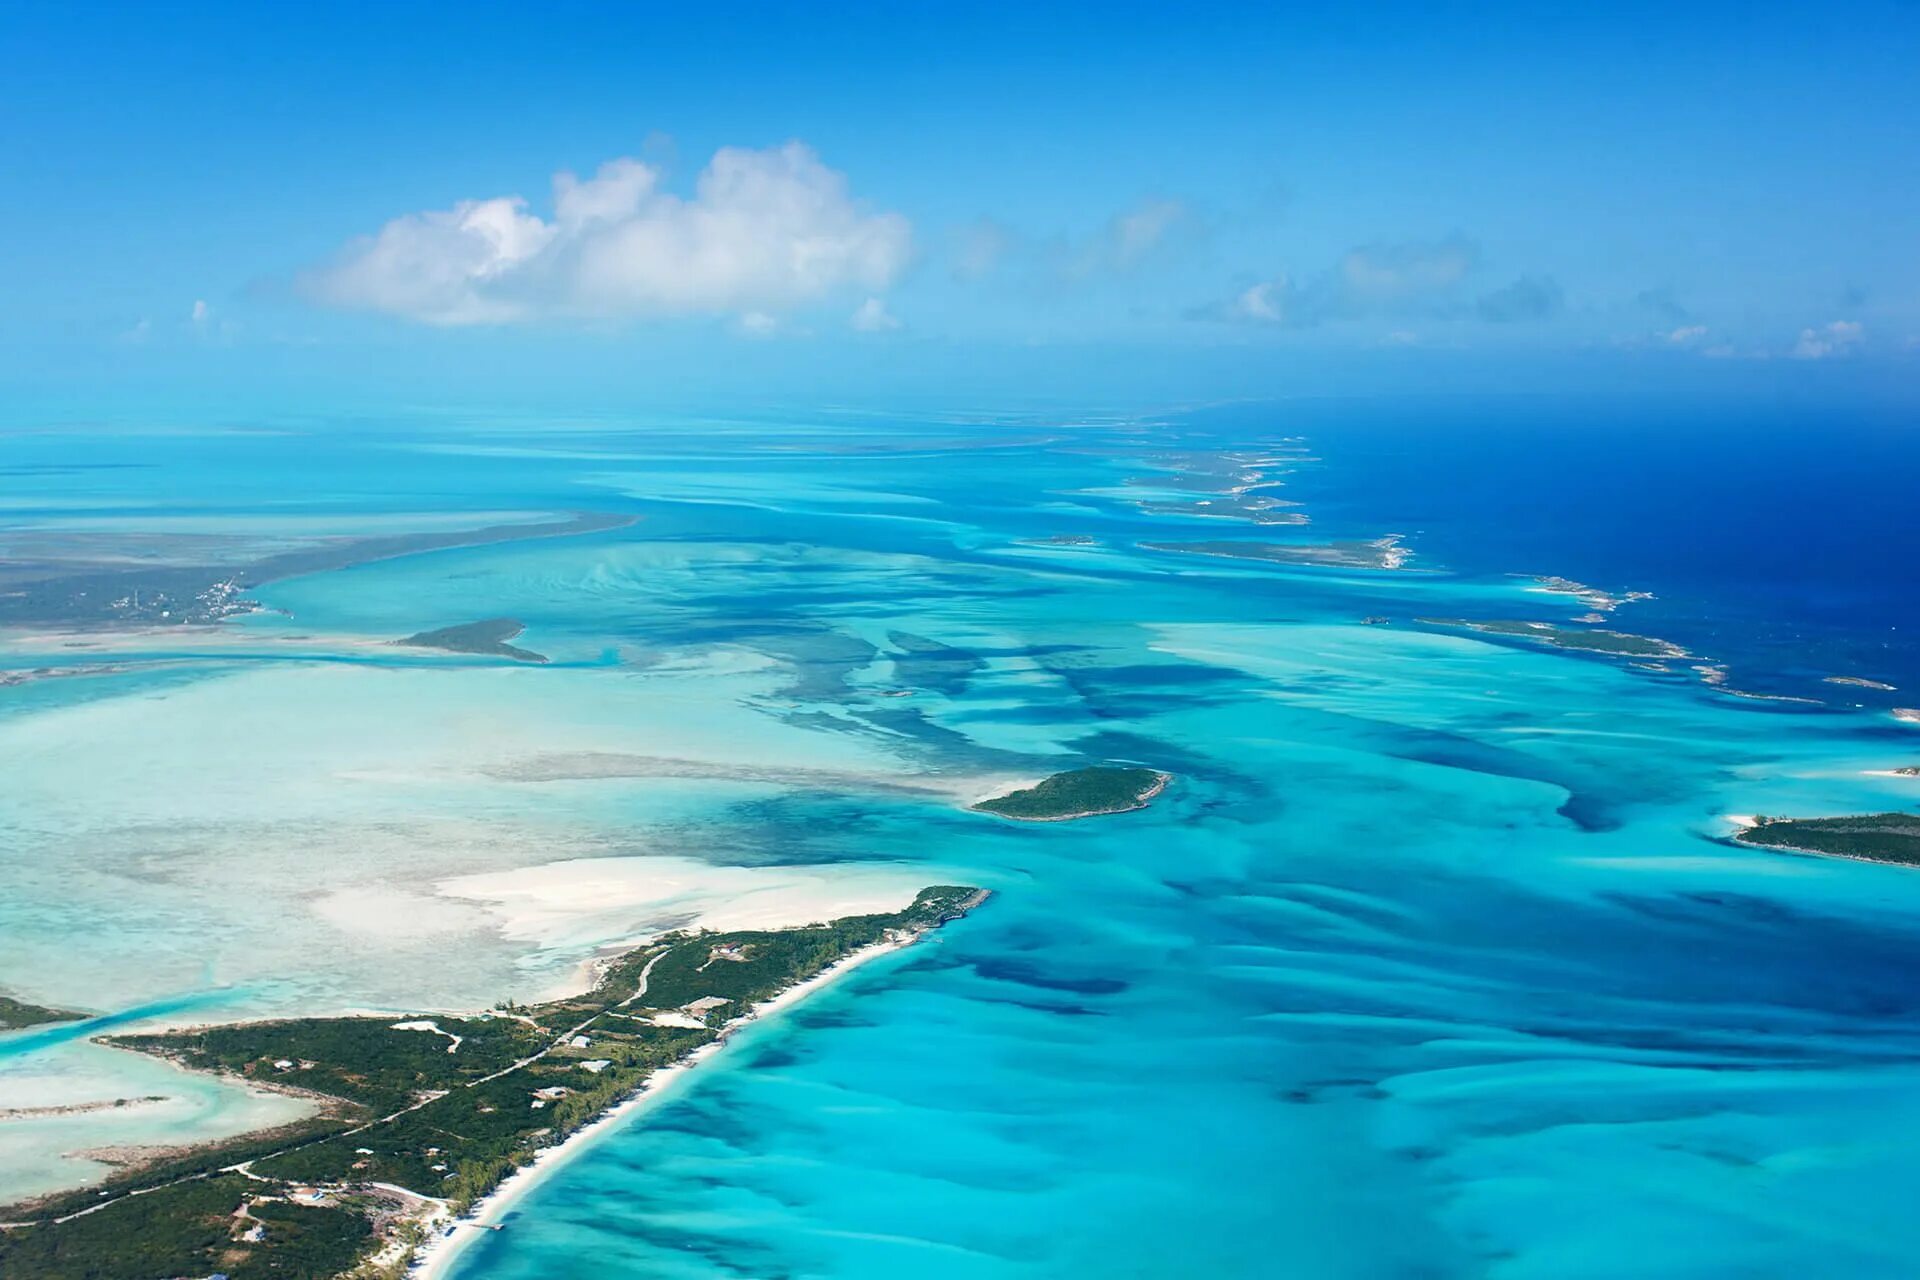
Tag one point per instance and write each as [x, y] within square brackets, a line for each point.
[82, 1132]
[566, 907]
[312, 838]
[233, 829]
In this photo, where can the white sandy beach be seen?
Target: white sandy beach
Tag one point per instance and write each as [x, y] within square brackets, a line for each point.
[588, 906]
[436, 1257]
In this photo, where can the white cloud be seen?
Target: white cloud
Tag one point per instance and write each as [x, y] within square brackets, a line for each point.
[1130, 239]
[1685, 336]
[203, 324]
[1126, 241]
[764, 232]
[1377, 275]
[1138, 231]
[1415, 279]
[1835, 338]
[1263, 303]
[1528, 298]
[758, 324]
[872, 316]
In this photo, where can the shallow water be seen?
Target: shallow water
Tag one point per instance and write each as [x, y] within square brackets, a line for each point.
[1434, 960]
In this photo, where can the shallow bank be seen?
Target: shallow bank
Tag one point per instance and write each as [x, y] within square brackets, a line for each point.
[416, 1123]
[435, 1259]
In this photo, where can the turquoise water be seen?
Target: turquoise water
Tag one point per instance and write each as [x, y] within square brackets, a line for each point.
[1433, 962]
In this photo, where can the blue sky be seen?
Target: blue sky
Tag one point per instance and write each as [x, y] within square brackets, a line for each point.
[1171, 201]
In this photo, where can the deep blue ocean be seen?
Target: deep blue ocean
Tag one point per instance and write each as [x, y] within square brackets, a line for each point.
[1774, 539]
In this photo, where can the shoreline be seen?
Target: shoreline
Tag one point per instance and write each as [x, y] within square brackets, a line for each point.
[1744, 823]
[799, 907]
[1740, 839]
[1141, 801]
[433, 1259]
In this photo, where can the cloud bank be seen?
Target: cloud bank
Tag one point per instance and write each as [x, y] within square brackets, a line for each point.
[1528, 298]
[763, 232]
[1376, 280]
[1130, 240]
[1835, 338]
[872, 316]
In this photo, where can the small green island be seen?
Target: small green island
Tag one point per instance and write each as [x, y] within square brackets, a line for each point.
[1080, 793]
[488, 636]
[1870, 837]
[419, 1117]
[18, 1014]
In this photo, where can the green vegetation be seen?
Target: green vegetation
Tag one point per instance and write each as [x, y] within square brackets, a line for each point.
[1079, 793]
[367, 1061]
[443, 1107]
[1615, 643]
[227, 1224]
[489, 636]
[1876, 837]
[15, 1014]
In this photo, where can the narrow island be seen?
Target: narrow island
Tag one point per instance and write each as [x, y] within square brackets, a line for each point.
[1080, 793]
[16, 1015]
[1619, 644]
[1223, 486]
[1236, 506]
[1860, 682]
[1870, 837]
[488, 636]
[108, 594]
[1595, 600]
[421, 1117]
[1377, 553]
